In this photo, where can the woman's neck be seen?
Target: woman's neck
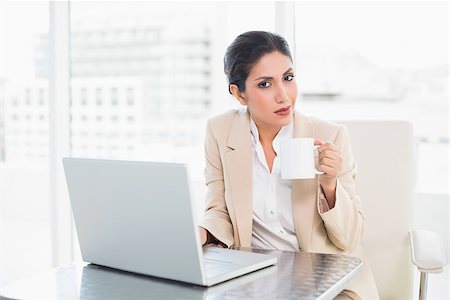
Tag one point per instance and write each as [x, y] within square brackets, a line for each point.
[267, 135]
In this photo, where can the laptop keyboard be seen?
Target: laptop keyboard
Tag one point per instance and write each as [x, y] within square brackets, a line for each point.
[211, 264]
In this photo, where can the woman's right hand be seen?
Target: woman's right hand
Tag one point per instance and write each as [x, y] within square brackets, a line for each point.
[204, 238]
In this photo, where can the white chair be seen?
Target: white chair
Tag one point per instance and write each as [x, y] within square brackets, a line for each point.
[385, 155]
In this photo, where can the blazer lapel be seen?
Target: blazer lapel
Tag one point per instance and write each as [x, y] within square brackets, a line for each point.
[239, 164]
[303, 203]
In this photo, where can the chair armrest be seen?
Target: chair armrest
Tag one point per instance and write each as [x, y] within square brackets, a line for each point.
[427, 251]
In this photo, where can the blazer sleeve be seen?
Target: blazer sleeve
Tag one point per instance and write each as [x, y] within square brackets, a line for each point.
[344, 223]
[216, 218]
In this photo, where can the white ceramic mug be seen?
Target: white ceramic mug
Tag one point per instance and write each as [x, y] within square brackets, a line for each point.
[297, 158]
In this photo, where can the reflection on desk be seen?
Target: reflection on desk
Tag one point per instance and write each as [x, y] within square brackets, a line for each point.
[296, 276]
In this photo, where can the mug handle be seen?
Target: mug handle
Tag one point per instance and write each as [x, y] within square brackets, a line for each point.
[317, 171]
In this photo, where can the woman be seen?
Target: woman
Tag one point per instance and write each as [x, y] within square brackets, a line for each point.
[248, 204]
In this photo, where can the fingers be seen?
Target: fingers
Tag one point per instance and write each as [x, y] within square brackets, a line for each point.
[329, 171]
[214, 245]
[318, 142]
[327, 162]
[330, 151]
[327, 146]
[330, 159]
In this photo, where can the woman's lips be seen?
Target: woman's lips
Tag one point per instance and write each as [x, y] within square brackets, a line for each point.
[283, 111]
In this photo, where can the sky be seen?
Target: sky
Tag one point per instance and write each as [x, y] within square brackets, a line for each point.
[391, 34]
[19, 22]
[401, 34]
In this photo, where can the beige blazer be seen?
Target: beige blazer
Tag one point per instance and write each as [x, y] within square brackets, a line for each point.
[229, 210]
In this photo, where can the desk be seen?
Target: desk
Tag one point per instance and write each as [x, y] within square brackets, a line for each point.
[296, 276]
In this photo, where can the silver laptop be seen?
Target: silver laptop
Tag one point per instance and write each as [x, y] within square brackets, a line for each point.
[139, 217]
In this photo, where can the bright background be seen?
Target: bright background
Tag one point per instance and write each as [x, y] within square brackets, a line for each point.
[138, 80]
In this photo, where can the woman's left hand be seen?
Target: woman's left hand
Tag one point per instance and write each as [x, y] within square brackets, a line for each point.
[330, 162]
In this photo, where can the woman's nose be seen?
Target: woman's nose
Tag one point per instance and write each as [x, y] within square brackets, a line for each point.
[281, 96]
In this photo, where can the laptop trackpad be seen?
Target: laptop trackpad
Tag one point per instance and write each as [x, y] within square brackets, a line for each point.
[219, 260]
[214, 259]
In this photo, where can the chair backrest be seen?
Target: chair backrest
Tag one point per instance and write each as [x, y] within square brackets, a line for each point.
[385, 155]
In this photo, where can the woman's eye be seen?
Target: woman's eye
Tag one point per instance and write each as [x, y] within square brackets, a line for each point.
[264, 84]
[289, 77]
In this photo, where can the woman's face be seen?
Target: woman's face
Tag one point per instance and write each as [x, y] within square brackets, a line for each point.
[271, 91]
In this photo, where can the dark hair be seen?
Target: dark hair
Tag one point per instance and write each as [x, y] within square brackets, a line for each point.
[245, 51]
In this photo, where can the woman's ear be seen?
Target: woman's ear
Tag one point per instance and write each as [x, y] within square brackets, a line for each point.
[234, 90]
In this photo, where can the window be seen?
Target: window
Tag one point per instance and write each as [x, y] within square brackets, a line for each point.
[41, 97]
[98, 96]
[83, 96]
[130, 96]
[156, 75]
[384, 60]
[24, 182]
[114, 96]
[28, 96]
[360, 68]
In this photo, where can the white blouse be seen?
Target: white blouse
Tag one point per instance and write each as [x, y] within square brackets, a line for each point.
[273, 224]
